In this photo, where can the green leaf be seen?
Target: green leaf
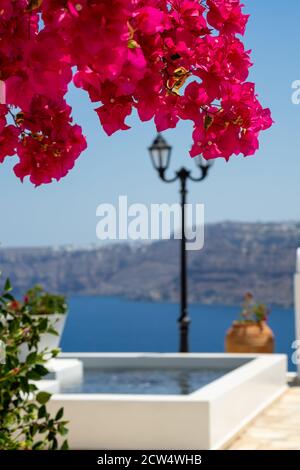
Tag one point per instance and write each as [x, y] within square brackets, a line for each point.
[32, 388]
[43, 324]
[32, 375]
[38, 445]
[9, 297]
[42, 414]
[55, 352]
[52, 331]
[43, 430]
[62, 430]
[54, 443]
[31, 358]
[43, 397]
[65, 445]
[7, 286]
[59, 414]
[34, 429]
[41, 370]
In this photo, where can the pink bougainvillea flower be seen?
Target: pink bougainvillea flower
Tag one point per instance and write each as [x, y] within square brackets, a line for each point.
[226, 16]
[150, 20]
[113, 117]
[43, 159]
[168, 60]
[8, 141]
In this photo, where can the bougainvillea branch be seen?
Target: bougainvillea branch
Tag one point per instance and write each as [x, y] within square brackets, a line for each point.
[168, 60]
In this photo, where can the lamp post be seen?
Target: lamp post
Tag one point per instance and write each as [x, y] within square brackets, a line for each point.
[160, 153]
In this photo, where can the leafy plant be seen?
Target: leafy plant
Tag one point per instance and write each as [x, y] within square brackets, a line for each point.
[40, 302]
[25, 423]
[253, 312]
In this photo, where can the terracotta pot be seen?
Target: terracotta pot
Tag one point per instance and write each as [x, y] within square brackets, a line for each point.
[250, 337]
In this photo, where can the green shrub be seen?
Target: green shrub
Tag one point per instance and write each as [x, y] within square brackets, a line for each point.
[40, 302]
[25, 423]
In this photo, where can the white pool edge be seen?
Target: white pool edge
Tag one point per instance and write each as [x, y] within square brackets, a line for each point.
[206, 419]
[231, 436]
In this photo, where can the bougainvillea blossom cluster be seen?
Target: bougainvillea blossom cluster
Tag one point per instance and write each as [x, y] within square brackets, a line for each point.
[168, 60]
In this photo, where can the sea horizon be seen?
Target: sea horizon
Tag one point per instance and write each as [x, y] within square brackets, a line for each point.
[115, 324]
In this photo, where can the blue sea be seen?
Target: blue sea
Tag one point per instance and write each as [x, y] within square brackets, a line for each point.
[111, 324]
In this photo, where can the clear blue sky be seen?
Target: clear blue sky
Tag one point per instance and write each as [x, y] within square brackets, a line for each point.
[261, 188]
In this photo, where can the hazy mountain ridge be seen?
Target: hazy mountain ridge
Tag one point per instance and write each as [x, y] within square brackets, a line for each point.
[236, 257]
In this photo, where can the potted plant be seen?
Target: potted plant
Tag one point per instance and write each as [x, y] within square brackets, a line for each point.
[250, 333]
[50, 308]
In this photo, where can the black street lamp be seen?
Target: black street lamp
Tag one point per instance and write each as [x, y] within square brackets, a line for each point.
[160, 153]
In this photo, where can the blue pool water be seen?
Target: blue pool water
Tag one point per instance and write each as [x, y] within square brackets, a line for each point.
[110, 324]
[144, 381]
